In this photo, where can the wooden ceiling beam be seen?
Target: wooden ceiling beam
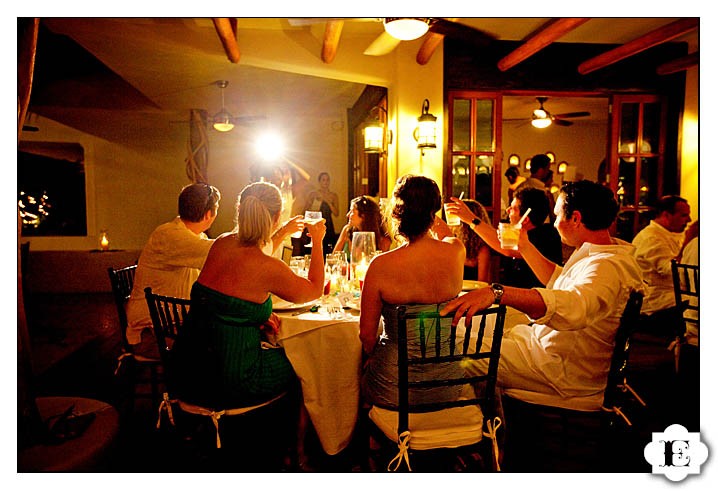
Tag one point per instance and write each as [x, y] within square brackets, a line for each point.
[227, 30]
[553, 30]
[679, 64]
[653, 38]
[332, 33]
[431, 42]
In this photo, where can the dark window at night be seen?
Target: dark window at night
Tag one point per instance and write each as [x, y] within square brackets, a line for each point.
[51, 195]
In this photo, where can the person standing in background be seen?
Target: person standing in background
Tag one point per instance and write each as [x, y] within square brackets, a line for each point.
[326, 201]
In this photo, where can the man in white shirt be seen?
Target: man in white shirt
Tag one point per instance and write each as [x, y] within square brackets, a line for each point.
[563, 358]
[659, 242]
[171, 261]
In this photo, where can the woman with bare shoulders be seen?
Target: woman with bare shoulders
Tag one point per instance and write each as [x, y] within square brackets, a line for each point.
[232, 307]
[426, 270]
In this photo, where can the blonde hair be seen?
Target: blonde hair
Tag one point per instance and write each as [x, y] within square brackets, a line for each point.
[258, 203]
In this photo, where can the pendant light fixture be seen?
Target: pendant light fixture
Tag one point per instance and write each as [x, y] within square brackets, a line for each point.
[222, 121]
[406, 28]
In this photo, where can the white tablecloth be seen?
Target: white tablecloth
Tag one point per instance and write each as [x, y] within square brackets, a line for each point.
[326, 356]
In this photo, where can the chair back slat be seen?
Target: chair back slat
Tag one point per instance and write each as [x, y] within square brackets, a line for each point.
[444, 353]
[686, 284]
[122, 280]
[168, 315]
[619, 359]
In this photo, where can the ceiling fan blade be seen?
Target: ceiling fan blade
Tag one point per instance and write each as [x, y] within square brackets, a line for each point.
[561, 122]
[247, 119]
[382, 45]
[578, 114]
[460, 31]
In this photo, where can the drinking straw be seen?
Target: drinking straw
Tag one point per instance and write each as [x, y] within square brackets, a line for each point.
[461, 196]
[524, 217]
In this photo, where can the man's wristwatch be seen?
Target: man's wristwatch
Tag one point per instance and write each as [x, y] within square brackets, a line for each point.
[475, 222]
[498, 292]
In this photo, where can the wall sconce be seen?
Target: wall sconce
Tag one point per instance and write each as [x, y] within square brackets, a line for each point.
[551, 156]
[527, 165]
[374, 133]
[425, 133]
[514, 160]
[562, 167]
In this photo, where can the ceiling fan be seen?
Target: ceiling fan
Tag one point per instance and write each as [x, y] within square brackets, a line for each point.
[224, 121]
[541, 118]
[398, 29]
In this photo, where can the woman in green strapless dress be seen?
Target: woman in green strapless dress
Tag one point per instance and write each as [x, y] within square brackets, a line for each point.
[220, 357]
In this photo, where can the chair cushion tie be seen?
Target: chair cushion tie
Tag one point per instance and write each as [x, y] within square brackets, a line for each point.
[403, 444]
[492, 426]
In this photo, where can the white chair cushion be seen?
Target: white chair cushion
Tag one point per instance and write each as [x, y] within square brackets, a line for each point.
[448, 428]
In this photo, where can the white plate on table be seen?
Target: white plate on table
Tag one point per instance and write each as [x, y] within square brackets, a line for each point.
[354, 304]
[279, 304]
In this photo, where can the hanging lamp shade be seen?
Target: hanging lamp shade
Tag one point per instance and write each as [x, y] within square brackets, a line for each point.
[406, 28]
[223, 121]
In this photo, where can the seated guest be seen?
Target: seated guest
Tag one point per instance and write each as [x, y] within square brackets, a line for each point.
[425, 270]
[219, 353]
[478, 254]
[562, 359]
[659, 242]
[364, 216]
[173, 257]
[515, 271]
[171, 261]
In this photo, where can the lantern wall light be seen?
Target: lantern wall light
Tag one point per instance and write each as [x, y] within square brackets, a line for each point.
[514, 160]
[374, 133]
[425, 132]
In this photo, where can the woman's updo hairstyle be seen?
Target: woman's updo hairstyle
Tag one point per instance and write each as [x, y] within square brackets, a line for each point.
[258, 203]
[415, 203]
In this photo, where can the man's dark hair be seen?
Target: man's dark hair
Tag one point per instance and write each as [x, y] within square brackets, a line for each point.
[195, 200]
[596, 203]
[539, 161]
[512, 171]
[668, 204]
[537, 200]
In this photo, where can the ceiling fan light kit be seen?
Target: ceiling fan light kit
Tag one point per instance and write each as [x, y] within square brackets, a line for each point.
[222, 121]
[406, 28]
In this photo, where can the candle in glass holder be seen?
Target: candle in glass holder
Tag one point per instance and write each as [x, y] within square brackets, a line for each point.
[104, 241]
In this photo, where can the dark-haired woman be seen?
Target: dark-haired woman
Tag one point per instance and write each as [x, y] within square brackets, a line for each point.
[478, 253]
[364, 216]
[425, 270]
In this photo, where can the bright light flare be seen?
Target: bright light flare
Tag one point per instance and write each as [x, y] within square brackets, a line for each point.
[270, 146]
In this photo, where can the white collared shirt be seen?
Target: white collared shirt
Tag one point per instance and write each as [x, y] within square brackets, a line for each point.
[170, 263]
[572, 343]
[655, 247]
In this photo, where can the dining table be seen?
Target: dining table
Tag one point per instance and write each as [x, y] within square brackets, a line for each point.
[325, 352]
